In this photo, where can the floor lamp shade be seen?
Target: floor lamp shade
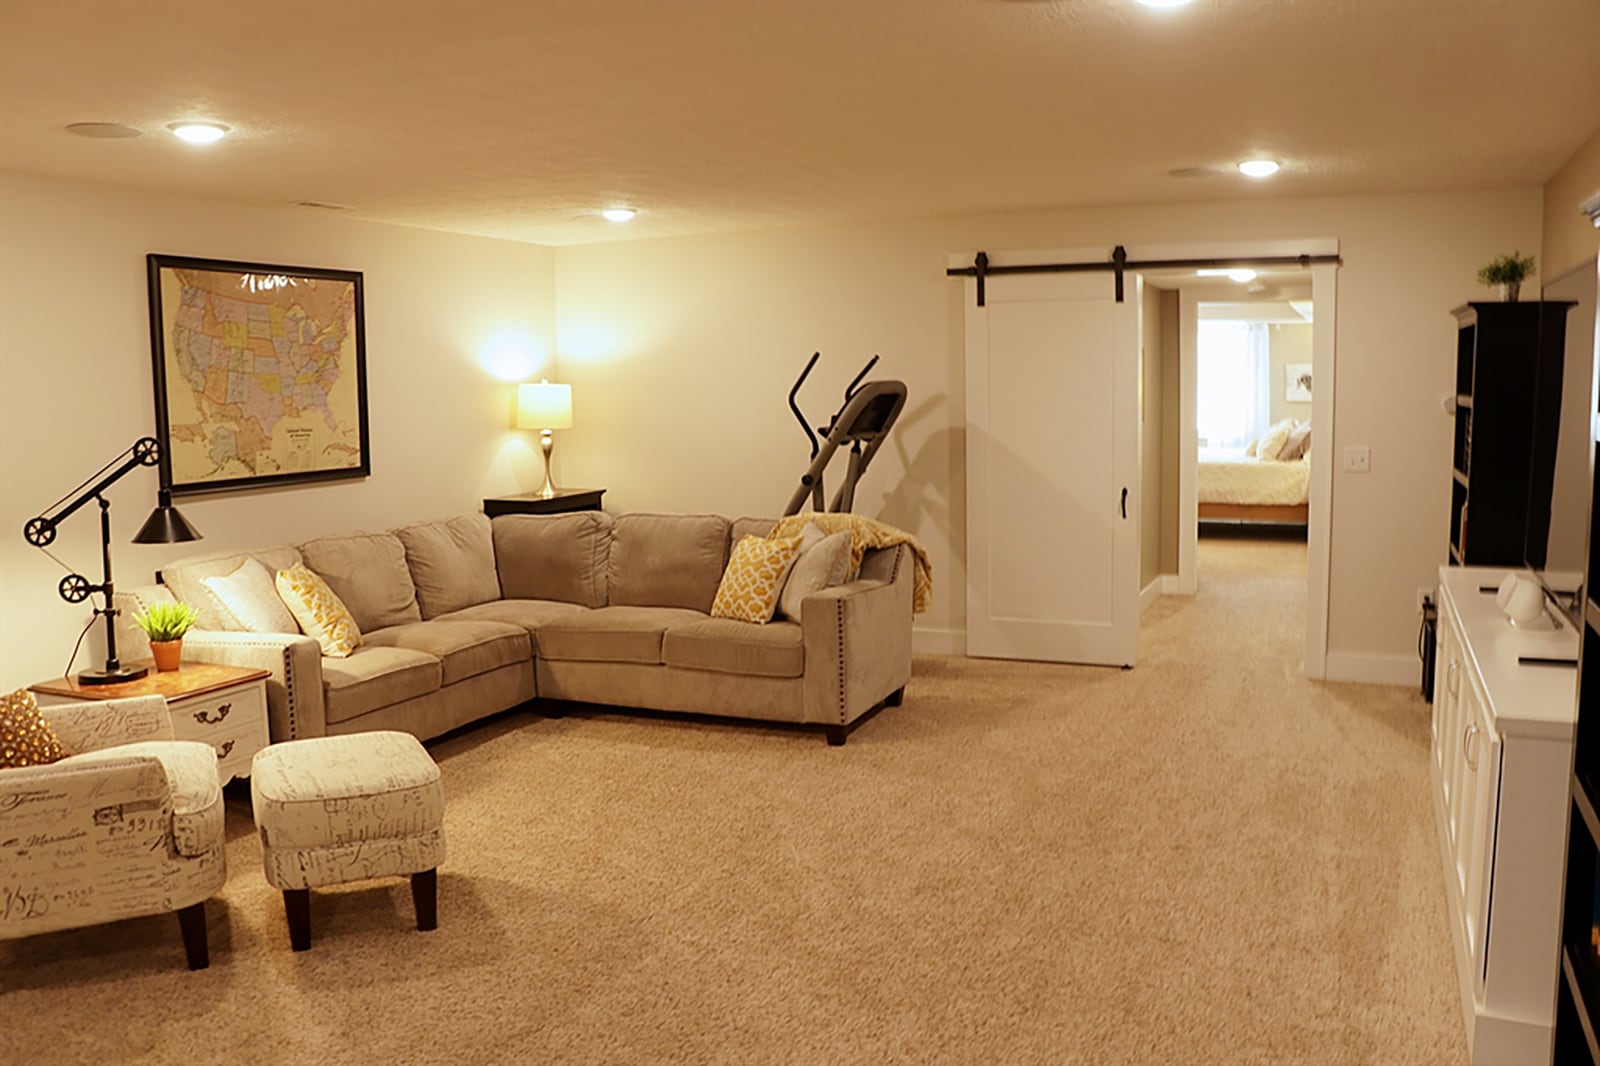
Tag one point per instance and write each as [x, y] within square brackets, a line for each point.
[544, 406]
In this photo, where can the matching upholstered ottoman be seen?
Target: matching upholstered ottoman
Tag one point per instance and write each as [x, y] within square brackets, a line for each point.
[332, 810]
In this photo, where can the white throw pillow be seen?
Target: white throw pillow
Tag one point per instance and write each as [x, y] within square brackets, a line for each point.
[249, 597]
[823, 563]
[1273, 439]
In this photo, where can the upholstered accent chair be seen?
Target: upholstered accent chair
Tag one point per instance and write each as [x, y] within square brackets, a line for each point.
[128, 824]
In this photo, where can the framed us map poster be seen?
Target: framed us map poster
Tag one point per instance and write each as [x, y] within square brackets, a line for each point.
[260, 374]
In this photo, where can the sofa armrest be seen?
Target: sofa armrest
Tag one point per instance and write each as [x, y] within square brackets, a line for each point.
[858, 645]
[92, 725]
[294, 689]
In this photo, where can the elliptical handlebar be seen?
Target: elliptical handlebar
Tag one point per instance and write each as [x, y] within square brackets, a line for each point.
[799, 415]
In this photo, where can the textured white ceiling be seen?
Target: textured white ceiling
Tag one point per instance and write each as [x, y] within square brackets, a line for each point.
[519, 118]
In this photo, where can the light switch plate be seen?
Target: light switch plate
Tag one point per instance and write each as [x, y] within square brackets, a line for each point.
[1357, 459]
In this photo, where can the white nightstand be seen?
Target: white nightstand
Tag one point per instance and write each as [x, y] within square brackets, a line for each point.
[224, 706]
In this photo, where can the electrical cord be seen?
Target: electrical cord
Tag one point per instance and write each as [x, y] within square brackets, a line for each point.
[92, 617]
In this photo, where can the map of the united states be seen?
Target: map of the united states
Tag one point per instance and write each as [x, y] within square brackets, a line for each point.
[259, 370]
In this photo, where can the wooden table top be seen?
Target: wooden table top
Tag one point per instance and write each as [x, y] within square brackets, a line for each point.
[191, 679]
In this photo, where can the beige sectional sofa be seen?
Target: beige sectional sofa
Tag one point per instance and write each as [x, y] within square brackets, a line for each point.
[468, 616]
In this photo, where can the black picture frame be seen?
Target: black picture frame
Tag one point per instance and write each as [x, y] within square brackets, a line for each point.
[218, 362]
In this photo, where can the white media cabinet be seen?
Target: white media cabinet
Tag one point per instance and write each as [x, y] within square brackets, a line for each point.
[1501, 757]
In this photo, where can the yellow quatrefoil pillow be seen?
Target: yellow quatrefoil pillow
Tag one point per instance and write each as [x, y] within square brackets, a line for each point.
[321, 614]
[754, 579]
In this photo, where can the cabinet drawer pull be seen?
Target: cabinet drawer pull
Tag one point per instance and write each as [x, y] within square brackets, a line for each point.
[205, 719]
[225, 750]
[1452, 682]
[1468, 748]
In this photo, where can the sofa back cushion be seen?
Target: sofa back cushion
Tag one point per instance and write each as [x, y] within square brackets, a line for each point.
[185, 577]
[749, 527]
[553, 557]
[667, 560]
[451, 563]
[368, 572]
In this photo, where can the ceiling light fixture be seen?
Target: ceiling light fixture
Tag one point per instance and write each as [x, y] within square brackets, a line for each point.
[198, 132]
[618, 214]
[1258, 168]
[1239, 274]
[102, 130]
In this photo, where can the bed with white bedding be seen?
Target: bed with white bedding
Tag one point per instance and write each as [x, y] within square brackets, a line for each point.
[1246, 489]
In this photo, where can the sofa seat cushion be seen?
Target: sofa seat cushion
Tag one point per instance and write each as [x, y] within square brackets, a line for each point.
[612, 634]
[531, 615]
[734, 647]
[374, 677]
[464, 649]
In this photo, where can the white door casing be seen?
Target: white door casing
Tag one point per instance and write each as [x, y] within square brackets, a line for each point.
[1052, 443]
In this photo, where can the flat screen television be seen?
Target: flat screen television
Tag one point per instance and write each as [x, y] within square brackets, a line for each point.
[1559, 475]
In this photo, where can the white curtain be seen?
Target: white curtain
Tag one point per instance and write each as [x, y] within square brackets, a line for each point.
[1233, 406]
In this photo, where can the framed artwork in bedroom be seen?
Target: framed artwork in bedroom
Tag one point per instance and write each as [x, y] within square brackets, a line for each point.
[1297, 382]
[260, 374]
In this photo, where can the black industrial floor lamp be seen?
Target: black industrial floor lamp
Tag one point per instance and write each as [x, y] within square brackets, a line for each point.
[164, 526]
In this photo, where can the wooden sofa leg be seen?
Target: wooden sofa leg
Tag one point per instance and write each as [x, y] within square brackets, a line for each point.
[297, 906]
[895, 698]
[425, 897]
[835, 735]
[192, 921]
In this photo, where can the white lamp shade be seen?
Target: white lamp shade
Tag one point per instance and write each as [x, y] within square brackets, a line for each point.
[544, 406]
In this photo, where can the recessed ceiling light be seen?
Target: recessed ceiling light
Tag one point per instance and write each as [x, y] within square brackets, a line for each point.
[1163, 3]
[103, 130]
[1239, 274]
[198, 132]
[618, 214]
[1258, 168]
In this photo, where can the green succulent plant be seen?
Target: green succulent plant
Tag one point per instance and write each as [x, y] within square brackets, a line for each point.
[1508, 269]
[166, 621]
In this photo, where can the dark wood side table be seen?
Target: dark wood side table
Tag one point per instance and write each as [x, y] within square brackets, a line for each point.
[562, 502]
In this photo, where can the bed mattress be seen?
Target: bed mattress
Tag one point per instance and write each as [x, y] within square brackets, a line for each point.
[1253, 481]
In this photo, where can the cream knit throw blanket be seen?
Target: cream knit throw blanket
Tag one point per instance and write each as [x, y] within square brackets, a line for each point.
[869, 533]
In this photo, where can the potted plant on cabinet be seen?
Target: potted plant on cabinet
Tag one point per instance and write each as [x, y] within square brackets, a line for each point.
[165, 624]
[1508, 272]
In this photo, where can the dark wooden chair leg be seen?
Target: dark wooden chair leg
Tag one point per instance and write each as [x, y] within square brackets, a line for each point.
[425, 896]
[192, 921]
[835, 735]
[895, 698]
[297, 905]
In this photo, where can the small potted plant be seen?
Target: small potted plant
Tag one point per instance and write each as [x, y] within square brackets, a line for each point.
[165, 624]
[1509, 272]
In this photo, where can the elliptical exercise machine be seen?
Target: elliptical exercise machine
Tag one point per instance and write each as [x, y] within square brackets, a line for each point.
[863, 421]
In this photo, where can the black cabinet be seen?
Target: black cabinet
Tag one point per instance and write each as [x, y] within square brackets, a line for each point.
[1501, 349]
[563, 502]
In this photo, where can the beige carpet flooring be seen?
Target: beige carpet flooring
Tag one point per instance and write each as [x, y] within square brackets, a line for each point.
[1204, 860]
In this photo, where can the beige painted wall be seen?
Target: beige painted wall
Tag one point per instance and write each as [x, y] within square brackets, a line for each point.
[1569, 237]
[75, 372]
[681, 350]
[1171, 431]
[1150, 437]
[1287, 344]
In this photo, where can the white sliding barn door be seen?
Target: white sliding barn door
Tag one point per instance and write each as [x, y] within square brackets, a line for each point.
[1053, 469]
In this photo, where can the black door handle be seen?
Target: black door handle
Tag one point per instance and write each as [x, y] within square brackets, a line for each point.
[1124, 501]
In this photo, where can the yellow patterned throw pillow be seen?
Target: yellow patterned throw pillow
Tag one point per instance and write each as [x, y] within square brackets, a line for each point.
[320, 613]
[754, 578]
[26, 739]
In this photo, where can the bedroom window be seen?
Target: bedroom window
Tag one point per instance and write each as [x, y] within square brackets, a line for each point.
[1232, 402]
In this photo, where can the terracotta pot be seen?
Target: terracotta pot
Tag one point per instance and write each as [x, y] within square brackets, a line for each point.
[166, 653]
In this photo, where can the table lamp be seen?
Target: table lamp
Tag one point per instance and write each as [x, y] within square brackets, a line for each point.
[164, 526]
[545, 407]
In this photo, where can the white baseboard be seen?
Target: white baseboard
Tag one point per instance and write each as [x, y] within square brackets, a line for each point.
[1161, 585]
[939, 641]
[1370, 669]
